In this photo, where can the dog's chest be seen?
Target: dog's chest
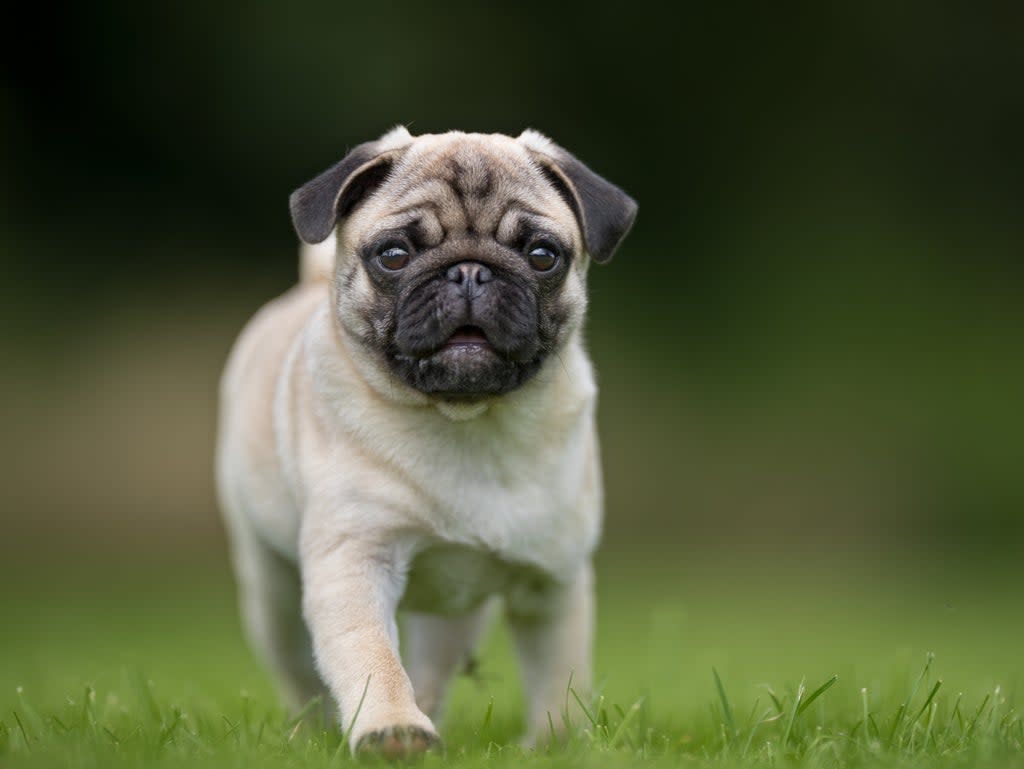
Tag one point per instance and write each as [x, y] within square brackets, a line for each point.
[507, 506]
[454, 579]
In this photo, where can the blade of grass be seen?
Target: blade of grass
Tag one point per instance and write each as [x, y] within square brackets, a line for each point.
[775, 700]
[864, 706]
[750, 717]
[620, 730]
[874, 727]
[487, 717]
[586, 712]
[792, 715]
[21, 727]
[996, 702]
[352, 725]
[602, 718]
[144, 691]
[952, 715]
[753, 730]
[931, 722]
[88, 699]
[905, 707]
[927, 702]
[726, 708]
[896, 721]
[566, 721]
[167, 733]
[817, 693]
[232, 729]
[314, 702]
[974, 721]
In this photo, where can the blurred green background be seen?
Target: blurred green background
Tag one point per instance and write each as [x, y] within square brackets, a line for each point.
[810, 347]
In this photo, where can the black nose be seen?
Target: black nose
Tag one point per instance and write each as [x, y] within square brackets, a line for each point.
[469, 273]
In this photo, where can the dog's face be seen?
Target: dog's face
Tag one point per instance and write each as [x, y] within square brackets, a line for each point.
[462, 257]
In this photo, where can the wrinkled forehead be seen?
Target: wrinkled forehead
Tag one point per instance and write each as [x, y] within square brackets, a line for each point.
[472, 184]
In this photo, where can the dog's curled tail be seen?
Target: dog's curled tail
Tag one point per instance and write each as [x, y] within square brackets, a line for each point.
[316, 261]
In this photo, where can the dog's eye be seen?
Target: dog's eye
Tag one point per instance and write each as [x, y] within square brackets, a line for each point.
[543, 257]
[393, 257]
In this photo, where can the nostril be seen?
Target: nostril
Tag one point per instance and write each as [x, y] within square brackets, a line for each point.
[471, 272]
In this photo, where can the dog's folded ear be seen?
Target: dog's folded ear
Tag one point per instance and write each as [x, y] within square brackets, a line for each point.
[605, 213]
[317, 205]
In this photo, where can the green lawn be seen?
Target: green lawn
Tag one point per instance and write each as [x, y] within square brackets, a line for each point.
[121, 665]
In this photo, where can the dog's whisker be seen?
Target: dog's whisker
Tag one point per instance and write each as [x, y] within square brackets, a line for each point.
[566, 370]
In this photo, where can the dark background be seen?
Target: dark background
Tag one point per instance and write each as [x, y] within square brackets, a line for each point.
[811, 345]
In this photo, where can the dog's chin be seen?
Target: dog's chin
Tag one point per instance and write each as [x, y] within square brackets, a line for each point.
[466, 369]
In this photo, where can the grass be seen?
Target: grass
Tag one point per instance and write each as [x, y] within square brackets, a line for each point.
[724, 664]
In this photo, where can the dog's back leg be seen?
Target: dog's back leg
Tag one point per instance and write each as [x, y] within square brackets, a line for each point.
[434, 647]
[270, 598]
[554, 647]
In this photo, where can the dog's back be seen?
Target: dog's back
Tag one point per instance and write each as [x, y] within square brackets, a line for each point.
[249, 474]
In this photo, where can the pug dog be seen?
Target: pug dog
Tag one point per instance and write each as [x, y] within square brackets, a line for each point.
[411, 428]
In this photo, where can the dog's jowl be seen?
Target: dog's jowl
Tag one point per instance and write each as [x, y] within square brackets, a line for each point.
[408, 434]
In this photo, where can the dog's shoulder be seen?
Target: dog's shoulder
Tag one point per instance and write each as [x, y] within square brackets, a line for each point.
[264, 343]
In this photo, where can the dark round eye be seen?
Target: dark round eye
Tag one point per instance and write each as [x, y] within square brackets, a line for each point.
[393, 257]
[543, 258]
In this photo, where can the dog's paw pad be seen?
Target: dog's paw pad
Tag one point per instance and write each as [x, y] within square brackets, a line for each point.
[398, 742]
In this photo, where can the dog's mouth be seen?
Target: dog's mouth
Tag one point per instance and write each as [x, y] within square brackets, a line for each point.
[465, 361]
[468, 336]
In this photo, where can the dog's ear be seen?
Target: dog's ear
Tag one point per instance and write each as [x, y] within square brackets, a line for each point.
[317, 205]
[605, 213]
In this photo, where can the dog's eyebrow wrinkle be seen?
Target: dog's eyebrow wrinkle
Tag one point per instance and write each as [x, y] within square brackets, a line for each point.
[472, 183]
[473, 179]
[415, 208]
[524, 209]
[421, 217]
[519, 218]
[515, 219]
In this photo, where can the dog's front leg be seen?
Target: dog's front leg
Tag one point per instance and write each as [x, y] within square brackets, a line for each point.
[351, 587]
[554, 645]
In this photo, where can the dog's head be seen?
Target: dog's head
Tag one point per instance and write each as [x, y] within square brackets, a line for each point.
[462, 257]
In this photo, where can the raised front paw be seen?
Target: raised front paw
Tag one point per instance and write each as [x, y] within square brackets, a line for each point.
[396, 742]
